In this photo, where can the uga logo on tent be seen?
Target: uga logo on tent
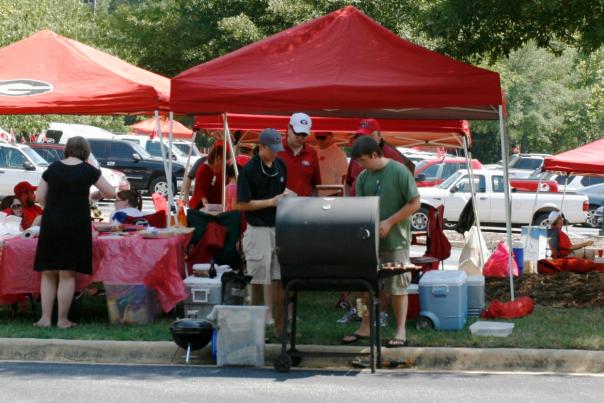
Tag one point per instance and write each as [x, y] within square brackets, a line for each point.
[24, 87]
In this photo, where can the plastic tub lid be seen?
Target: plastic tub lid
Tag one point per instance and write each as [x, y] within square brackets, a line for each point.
[439, 277]
[490, 328]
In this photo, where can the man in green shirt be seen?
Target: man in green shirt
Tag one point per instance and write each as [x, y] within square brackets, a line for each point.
[399, 199]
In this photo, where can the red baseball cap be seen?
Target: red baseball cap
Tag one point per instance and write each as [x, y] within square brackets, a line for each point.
[242, 159]
[23, 187]
[368, 126]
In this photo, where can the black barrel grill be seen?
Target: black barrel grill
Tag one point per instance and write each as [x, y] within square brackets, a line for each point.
[328, 244]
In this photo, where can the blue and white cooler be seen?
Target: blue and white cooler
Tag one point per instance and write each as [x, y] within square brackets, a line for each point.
[443, 300]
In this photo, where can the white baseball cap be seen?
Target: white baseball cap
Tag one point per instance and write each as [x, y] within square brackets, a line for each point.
[300, 123]
[553, 216]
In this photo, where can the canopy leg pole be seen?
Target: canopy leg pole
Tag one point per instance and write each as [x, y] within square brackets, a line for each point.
[163, 156]
[188, 163]
[506, 187]
[169, 178]
[530, 224]
[225, 143]
[563, 196]
[473, 192]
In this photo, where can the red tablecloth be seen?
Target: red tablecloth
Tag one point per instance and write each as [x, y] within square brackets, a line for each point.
[157, 263]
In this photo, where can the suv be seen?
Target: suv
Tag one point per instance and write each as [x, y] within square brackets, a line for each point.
[521, 166]
[144, 172]
[55, 152]
[154, 147]
[19, 163]
[432, 172]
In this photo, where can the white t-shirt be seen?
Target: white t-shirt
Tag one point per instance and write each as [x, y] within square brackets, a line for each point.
[333, 165]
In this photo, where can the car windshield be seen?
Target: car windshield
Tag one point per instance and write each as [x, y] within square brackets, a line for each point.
[450, 180]
[528, 163]
[141, 151]
[35, 157]
[186, 147]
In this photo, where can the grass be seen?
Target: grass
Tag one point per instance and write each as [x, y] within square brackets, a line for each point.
[557, 328]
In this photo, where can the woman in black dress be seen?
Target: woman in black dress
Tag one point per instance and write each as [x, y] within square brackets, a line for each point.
[65, 242]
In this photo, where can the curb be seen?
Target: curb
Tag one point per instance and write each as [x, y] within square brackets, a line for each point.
[420, 358]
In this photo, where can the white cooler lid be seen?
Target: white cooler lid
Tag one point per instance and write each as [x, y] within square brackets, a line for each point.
[440, 277]
[201, 281]
[476, 280]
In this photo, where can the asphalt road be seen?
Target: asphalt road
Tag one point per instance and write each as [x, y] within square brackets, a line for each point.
[46, 382]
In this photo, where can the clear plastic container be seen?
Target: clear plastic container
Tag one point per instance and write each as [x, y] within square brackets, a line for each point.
[241, 332]
[489, 328]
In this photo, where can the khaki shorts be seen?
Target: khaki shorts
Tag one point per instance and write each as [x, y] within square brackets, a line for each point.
[396, 285]
[260, 254]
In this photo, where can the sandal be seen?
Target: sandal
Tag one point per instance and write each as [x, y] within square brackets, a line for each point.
[353, 338]
[394, 343]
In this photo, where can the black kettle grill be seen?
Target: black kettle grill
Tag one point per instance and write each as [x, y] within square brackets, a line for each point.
[328, 244]
[191, 334]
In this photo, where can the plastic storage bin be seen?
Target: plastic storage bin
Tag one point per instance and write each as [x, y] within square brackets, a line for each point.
[488, 328]
[203, 293]
[241, 331]
[443, 300]
[130, 303]
[475, 295]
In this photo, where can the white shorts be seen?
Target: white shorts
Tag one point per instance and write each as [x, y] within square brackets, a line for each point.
[260, 254]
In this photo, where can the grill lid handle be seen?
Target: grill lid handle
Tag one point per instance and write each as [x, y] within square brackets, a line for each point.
[364, 233]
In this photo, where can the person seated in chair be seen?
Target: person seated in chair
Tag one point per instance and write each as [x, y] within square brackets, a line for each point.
[128, 205]
[559, 242]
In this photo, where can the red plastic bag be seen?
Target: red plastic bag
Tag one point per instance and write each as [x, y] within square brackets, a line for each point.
[498, 263]
[509, 310]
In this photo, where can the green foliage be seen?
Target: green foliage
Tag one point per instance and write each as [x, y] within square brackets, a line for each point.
[475, 29]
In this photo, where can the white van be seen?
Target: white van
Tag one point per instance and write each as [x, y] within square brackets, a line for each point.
[18, 162]
[59, 133]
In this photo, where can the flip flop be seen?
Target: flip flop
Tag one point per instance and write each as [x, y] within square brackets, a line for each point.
[353, 338]
[394, 343]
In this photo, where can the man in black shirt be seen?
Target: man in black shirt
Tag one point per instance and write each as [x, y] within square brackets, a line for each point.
[262, 182]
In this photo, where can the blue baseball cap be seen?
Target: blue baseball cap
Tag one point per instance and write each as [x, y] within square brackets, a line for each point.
[272, 139]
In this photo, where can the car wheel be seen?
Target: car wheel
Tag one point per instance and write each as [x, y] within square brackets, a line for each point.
[419, 220]
[160, 185]
[541, 220]
[591, 220]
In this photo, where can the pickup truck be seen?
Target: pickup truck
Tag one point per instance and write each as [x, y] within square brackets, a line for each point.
[454, 193]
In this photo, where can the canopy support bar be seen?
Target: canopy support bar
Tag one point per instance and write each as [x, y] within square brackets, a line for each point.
[508, 200]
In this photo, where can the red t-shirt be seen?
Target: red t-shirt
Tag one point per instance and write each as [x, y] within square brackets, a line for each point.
[208, 184]
[354, 169]
[29, 215]
[302, 170]
[563, 244]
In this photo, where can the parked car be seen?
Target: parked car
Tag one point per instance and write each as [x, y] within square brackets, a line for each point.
[522, 165]
[185, 147]
[59, 133]
[595, 195]
[55, 152]
[18, 162]
[432, 172]
[597, 217]
[154, 147]
[144, 172]
[454, 194]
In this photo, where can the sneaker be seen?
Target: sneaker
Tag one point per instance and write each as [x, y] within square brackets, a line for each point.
[383, 319]
[350, 316]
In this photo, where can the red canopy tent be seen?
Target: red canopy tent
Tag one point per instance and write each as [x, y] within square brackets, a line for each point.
[149, 127]
[584, 160]
[47, 74]
[342, 64]
[408, 133]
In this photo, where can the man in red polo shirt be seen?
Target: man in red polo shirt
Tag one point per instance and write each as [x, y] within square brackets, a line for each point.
[24, 191]
[301, 159]
[371, 127]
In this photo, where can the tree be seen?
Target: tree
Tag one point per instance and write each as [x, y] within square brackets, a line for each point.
[170, 36]
[477, 29]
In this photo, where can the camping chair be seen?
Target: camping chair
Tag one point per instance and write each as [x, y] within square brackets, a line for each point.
[438, 247]
[215, 237]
